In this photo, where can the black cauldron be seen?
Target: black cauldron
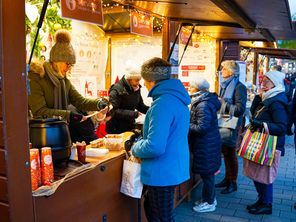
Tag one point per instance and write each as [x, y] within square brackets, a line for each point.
[52, 133]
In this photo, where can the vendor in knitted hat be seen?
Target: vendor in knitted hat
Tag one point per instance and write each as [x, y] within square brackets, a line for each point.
[125, 97]
[269, 112]
[51, 90]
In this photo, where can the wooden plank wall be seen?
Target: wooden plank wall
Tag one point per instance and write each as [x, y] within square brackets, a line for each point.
[15, 186]
[232, 52]
[4, 207]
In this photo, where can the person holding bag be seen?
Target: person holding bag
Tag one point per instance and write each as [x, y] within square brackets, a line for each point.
[233, 97]
[269, 111]
[164, 150]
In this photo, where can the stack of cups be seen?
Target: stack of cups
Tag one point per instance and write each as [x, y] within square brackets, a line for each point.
[35, 168]
[46, 166]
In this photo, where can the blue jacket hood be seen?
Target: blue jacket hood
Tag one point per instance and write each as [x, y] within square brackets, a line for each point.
[173, 87]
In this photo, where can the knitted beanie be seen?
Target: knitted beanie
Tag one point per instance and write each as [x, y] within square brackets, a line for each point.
[200, 84]
[276, 77]
[156, 69]
[62, 51]
[133, 73]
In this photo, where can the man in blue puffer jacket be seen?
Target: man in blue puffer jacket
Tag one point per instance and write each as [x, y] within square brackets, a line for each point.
[164, 148]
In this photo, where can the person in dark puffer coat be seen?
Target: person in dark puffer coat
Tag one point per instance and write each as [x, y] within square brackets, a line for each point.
[269, 111]
[204, 141]
[125, 96]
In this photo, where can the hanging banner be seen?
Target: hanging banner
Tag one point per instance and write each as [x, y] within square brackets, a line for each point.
[141, 24]
[83, 10]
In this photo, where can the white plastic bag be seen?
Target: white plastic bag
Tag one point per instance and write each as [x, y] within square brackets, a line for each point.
[131, 184]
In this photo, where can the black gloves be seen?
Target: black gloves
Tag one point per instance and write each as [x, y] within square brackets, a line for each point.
[136, 114]
[256, 125]
[75, 117]
[102, 103]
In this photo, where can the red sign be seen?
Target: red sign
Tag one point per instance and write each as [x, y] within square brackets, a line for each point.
[185, 73]
[84, 10]
[194, 67]
[186, 84]
[141, 24]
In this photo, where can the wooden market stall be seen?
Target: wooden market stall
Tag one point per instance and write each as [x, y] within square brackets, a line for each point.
[93, 195]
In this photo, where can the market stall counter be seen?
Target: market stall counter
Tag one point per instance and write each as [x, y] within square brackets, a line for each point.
[93, 195]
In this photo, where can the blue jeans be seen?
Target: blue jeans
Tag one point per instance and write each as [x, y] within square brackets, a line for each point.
[208, 189]
[264, 192]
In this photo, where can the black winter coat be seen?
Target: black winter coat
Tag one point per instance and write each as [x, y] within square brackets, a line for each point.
[273, 111]
[125, 102]
[204, 136]
[239, 102]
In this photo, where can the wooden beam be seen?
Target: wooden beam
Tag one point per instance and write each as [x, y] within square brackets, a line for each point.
[233, 10]
[266, 34]
[15, 111]
[207, 23]
[114, 10]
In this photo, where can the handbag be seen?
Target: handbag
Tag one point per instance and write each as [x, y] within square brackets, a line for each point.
[227, 126]
[131, 184]
[228, 121]
[258, 147]
[262, 174]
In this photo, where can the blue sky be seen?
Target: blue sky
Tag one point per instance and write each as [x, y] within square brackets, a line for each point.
[292, 4]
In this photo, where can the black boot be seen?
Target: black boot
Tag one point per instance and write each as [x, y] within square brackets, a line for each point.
[223, 183]
[295, 206]
[254, 205]
[262, 209]
[232, 186]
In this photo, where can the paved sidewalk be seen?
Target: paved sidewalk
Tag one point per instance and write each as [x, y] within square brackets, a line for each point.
[232, 207]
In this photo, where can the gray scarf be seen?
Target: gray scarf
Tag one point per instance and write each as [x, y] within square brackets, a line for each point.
[227, 88]
[60, 93]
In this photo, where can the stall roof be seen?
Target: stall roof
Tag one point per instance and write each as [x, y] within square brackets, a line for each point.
[241, 19]
[276, 53]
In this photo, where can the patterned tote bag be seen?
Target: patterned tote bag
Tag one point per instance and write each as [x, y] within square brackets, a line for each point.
[258, 147]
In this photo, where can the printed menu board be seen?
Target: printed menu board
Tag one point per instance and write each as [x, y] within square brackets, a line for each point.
[141, 24]
[86, 10]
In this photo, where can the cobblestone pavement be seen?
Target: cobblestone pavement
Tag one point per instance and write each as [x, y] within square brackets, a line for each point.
[232, 207]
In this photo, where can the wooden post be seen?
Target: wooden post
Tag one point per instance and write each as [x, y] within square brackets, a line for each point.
[255, 68]
[218, 55]
[267, 64]
[165, 38]
[15, 179]
[108, 66]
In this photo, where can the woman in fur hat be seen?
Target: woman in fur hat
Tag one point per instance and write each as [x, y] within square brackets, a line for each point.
[51, 91]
